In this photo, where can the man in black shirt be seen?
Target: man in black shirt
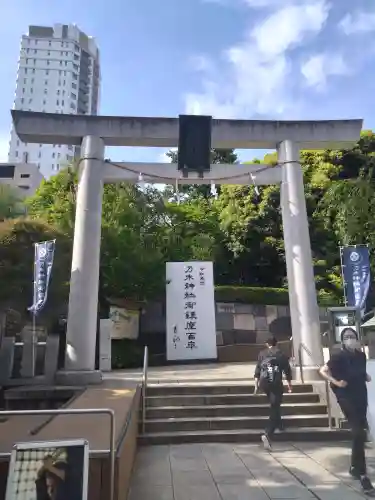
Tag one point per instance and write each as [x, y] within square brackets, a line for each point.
[346, 371]
[272, 364]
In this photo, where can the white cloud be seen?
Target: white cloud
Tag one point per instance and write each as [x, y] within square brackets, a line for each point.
[319, 67]
[4, 147]
[358, 22]
[256, 75]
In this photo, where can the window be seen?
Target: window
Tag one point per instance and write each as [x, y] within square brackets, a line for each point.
[25, 81]
[63, 92]
[59, 82]
[27, 61]
[22, 100]
[60, 63]
[45, 82]
[36, 42]
[38, 166]
[45, 91]
[40, 145]
[53, 155]
[58, 92]
[72, 105]
[74, 85]
[25, 71]
[33, 71]
[73, 96]
[57, 102]
[75, 77]
[64, 82]
[32, 80]
[23, 90]
[58, 155]
[62, 44]
[66, 53]
[44, 102]
[25, 188]
[62, 102]
[16, 154]
[60, 72]
[64, 73]
[47, 71]
[39, 154]
[35, 51]
[61, 53]
[31, 90]
[75, 66]
[34, 61]
[49, 53]
[25, 176]
[49, 43]
[27, 51]
[57, 167]
[66, 63]
[30, 101]
[18, 142]
[47, 62]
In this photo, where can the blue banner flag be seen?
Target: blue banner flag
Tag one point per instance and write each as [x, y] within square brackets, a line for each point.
[355, 261]
[43, 262]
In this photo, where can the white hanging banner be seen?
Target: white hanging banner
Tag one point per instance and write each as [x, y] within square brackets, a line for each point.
[191, 325]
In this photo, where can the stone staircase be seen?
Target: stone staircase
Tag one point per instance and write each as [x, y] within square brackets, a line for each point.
[187, 413]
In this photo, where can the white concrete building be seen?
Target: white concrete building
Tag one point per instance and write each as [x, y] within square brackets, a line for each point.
[24, 177]
[58, 72]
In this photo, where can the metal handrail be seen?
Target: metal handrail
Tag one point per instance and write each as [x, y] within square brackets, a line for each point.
[301, 348]
[144, 388]
[74, 411]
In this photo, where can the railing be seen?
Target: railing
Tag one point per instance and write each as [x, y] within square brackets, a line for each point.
[71, 411]
[302, 348]
[144, 388]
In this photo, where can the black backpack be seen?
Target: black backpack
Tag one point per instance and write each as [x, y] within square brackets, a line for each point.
[270, 370]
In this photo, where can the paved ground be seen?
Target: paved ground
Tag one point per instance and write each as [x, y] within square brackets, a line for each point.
[245, 472]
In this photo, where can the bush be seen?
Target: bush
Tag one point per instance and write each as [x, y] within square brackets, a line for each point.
[126, 354]
[264, 296]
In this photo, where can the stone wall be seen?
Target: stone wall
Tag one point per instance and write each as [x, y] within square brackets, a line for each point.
[235, 323]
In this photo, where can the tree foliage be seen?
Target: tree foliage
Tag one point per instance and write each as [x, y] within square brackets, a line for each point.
[240, 229]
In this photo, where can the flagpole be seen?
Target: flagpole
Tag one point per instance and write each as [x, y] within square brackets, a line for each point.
[342, 275]
[33, 333]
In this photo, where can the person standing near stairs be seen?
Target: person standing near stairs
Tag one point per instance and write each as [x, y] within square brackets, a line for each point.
[346, 371]
[271, 366]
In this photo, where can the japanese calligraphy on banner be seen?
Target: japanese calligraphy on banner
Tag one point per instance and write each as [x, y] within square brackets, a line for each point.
[43, 262]
[356, 274]
[191, 326]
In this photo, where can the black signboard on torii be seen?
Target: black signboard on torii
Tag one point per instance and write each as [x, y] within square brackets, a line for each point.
[194, 144]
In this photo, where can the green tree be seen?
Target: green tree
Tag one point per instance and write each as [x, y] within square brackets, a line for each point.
[17, 238]
[11, 203]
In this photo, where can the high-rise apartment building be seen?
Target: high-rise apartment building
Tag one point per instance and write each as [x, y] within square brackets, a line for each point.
[58, 72]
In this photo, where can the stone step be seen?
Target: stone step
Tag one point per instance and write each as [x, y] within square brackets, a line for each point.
[164, 412]
[229, 423]
[244, 436]
[226, 399]
[213, 389]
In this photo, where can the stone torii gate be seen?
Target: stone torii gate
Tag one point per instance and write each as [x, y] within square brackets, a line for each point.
[93, 133]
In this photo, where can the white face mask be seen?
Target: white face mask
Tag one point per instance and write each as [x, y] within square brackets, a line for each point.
[351, 344]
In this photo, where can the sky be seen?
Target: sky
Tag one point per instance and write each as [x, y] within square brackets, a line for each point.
[248, 59]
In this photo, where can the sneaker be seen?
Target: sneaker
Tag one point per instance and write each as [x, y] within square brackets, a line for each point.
[266, 442]
[354, 473]
[367, 486]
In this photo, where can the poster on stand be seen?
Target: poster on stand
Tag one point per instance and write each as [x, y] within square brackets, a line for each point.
[191, 323]
[48, 469]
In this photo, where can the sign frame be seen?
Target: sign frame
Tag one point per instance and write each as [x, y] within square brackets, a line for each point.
[40, 445]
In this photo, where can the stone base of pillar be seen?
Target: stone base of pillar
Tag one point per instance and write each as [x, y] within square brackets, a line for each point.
[310, 374]
[78, 378]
